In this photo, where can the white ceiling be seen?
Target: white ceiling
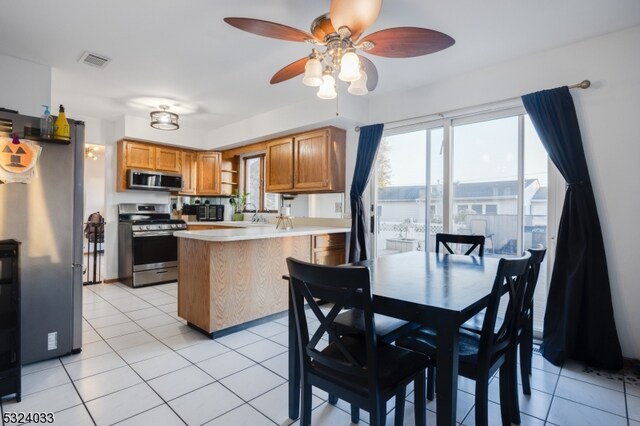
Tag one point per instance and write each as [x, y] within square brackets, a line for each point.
[183, 51]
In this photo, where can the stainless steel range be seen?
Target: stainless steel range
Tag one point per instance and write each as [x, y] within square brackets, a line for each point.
[147, 249]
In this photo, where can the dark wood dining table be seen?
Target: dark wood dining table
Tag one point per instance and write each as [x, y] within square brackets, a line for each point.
[440, 291]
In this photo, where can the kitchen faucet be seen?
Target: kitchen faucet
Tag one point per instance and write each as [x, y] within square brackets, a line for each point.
[255, 217]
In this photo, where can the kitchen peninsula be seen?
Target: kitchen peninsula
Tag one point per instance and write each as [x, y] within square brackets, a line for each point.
[230, 277]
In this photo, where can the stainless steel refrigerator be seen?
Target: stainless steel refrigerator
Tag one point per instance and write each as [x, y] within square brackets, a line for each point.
[46, 216]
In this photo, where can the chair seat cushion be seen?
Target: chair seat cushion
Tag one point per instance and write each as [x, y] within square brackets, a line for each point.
[394, 364]
[423, 340]
[387, 328]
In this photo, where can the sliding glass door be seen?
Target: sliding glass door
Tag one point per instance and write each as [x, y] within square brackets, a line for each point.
[484, 175]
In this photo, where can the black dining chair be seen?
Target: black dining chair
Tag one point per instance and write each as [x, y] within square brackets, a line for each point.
[525, 327]
[525, 334]
[356, 368]
[481, 354]
[474, 241]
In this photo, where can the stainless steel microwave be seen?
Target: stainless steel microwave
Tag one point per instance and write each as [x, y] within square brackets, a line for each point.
[150, 180]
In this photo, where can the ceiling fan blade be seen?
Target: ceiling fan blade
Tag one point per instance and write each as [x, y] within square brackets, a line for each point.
[406, 42]
[269, 29]
[293, 69]
[357, 15]
[372, 73]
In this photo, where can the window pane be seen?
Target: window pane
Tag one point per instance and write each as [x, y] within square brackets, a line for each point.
[252, 180]
[485, 171]
[271, 201]
[436, 162]
[401, 190]
[536, 203]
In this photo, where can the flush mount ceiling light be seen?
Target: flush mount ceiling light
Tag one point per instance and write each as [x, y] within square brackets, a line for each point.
[164, 120]
[340, 33]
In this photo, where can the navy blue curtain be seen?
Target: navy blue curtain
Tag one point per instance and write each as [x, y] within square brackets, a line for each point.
[367, 147]
[579, 321]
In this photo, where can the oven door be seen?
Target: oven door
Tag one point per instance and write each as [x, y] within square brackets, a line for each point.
[154, 249]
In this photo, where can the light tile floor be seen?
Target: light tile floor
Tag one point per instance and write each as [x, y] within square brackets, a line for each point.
[141, 365]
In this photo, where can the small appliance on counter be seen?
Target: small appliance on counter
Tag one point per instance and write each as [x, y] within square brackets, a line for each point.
[210, 212]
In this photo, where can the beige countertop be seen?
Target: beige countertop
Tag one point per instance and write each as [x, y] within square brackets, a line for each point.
[239, 224]
[255, 232]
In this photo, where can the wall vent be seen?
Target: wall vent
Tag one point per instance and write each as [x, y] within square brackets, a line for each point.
[95, 60]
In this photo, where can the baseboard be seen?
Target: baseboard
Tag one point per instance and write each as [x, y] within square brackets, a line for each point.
[111, 280]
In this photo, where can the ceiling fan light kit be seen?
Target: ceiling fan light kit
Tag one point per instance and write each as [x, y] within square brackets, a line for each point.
[164, 120]
[340, 32]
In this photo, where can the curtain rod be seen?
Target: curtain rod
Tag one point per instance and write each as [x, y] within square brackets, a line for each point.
[584, 84]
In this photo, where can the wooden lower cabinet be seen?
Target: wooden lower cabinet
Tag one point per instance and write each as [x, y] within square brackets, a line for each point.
[225, 284]
[328, 249]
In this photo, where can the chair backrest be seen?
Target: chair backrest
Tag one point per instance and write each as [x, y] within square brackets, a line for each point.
[472, 240]
[537, 256]
[344, 286]
[511, 278]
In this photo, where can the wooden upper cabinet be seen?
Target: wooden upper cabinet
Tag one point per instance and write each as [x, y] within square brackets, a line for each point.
[311, 158]
[168, 160]
[139, 155]
[307, 163]
[189, 173]
[208, 175]
[279, 165]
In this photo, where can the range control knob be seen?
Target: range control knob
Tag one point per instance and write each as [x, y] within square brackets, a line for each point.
[147, 227]
[174, 226]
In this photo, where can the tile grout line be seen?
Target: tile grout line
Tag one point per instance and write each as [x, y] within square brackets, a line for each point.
[166, 402]
[78, 393]
[141, 378]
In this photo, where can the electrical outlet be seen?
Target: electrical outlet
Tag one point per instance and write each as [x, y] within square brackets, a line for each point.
[52, 341]
[338, 207]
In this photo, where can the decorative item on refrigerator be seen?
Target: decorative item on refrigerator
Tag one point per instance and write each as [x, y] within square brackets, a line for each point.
[61, 126]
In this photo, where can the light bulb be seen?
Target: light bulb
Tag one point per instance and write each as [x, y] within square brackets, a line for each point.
[359, 87]
[312, 73]
[328, 87]
[349, 67]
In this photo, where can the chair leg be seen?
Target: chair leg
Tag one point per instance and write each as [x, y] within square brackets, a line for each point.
[431, 377]
[482, 401]
[419, 400]
[505, 398]
[525, 362]
[400, 400]
[377, 415]
[305, 409]
[355, 414]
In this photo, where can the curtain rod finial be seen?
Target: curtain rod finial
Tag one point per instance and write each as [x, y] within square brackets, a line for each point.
[584, 84]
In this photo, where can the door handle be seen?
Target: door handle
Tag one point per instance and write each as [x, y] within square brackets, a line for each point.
[162, 272]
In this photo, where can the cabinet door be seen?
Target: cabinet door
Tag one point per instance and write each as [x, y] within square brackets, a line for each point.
[333, 257]
[280, 165]
[140, 156]
[168, 159]
[311, 164]
[209, 173]
[189, 173]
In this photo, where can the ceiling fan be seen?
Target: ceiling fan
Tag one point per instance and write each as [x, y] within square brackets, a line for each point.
[340, 32]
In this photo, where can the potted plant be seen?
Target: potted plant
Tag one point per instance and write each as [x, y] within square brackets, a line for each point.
[238, 202]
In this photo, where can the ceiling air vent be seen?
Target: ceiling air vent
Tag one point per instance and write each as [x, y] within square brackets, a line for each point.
[95, 60]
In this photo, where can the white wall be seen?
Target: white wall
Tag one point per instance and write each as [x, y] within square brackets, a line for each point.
[25, 86]
[607, 113]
